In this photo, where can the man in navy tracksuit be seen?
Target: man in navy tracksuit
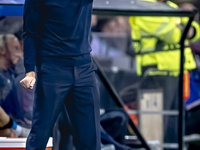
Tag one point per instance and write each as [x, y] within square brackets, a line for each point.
[56, 41]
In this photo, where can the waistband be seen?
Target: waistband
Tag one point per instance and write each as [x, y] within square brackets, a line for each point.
[71, 61]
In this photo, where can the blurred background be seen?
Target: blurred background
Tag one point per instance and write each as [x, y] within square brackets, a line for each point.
[140, 57]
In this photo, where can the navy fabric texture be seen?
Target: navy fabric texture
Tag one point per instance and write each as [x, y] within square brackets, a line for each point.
[55, 83]
[58, 30]
[62, 133]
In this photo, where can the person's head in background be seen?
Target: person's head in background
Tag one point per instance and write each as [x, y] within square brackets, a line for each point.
[10, 51]
[163, 1]
[111, 24]
[106, 24]
[19, 35]
[93, 21]
[190, 7]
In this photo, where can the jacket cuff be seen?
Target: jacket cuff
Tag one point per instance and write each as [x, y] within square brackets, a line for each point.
[29, 67]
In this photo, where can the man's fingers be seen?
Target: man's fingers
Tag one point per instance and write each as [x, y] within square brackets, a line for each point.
[22, 84]
[13, 133]
[8, 133]
[28, 82]
[32, 84]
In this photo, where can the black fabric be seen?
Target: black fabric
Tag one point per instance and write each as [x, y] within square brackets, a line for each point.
[194, 147]
[115, 122]
[9, 125]
[193, 121]
[107, 139]
[115, 78]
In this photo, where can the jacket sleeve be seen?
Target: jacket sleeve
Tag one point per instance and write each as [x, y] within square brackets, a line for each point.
[32, 15]
[170, 33]
[195, 25]
[164, 28]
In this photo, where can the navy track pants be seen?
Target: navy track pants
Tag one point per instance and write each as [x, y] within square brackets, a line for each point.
[55, 83]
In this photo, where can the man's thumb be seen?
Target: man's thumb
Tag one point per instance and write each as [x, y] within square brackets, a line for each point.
[32, 83]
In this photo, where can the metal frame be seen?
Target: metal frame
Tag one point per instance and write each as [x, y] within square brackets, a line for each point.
[181, 104]
[184, 35]
[108, 85]
[119, 103]
[112, 90]
[115, 12]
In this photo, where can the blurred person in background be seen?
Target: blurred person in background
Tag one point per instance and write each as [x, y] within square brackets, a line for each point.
[19, 35]
[157, 49]
[190, 7]
[93, 22]
[7, 126]
[25, 96]
[10, 52]
[195, 46]
[107, 37]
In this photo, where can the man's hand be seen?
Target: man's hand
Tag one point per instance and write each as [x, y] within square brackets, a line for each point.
[180, 27]
[8, 133]
[191, 33]
[29, 81]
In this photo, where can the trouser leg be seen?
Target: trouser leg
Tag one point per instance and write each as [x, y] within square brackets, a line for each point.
[62, 135]
[53, 85]
[83, 109]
